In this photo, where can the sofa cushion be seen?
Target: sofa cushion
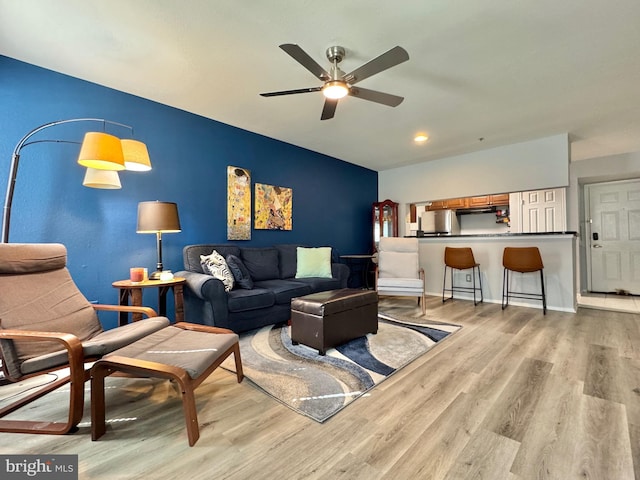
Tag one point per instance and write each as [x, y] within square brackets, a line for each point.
[262, 263]
[191, 254]
[321, 284]
[313, 262]
[285, 290]
[241, 300]
[240, 273]
[288, 256]
[216, 265]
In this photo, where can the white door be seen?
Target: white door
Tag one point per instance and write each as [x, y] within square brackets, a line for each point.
[543, 211]
[614, 237]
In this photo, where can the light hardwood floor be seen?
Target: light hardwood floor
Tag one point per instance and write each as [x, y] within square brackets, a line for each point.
[513, 395]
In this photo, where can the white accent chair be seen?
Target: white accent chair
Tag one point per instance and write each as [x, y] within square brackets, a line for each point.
[398, 272]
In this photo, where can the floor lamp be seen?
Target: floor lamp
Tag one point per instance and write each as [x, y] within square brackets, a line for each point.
[158, 217]
[103, 155]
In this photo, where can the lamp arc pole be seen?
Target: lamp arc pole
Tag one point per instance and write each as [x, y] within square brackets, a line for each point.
[15, 160]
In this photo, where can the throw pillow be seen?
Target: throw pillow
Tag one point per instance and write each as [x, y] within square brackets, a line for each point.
[240, 272]
[216, 265]
[314, 262]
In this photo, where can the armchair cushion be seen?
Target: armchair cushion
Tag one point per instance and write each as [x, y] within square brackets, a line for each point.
[400, 285]
[398, 265]
[46, 302]
[103, 343]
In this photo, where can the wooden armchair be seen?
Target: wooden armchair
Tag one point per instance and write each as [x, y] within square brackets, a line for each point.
[399, 272]
[46, 324]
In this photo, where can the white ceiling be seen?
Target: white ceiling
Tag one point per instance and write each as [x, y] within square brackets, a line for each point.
[502, 70]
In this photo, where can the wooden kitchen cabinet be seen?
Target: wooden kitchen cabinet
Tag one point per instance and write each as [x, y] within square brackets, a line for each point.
[452, 203]
[436, 205]
[489, 200]
[456, 203]
[502, 199]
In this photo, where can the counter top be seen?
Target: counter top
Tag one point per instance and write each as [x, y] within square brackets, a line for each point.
[497, 235]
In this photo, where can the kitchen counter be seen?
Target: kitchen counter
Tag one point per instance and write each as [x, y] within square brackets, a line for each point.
[466, 235]
[558, 251]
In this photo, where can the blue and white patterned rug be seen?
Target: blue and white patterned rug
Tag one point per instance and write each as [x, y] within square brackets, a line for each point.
[320, 386]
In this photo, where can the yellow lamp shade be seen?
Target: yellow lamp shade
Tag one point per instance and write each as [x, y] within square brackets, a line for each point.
[101, 151]
[136, 155]
[106, 179]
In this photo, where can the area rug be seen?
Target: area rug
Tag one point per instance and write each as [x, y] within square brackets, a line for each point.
[320, 386]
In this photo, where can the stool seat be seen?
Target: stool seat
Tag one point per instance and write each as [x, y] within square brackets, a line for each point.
[522, 260]
[461, 258]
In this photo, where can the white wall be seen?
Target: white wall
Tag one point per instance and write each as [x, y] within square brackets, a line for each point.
[595, 170]
[532, 165]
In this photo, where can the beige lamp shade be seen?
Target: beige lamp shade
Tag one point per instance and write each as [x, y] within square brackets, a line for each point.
[101, 151]
[158, 217]
[136, 155]
[106, 179]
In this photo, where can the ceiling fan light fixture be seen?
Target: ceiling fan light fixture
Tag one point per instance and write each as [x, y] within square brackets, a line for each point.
[421, 138]
[335, 89]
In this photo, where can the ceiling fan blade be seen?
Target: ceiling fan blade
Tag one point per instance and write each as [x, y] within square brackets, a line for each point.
[375, 96]
[305, 60]
[329, 109]
[387, 60]
[291, 92]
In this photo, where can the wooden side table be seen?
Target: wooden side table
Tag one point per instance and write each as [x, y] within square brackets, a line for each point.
[132, 290]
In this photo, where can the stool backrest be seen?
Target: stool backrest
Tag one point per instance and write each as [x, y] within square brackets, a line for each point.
[522, 259]
[459, 258]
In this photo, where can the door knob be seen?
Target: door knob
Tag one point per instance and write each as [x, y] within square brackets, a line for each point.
[597, 246]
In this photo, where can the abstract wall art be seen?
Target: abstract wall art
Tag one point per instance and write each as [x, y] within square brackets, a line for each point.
[273, 207]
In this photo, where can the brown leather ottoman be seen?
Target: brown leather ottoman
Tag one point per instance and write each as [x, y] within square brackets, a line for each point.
[326, 319]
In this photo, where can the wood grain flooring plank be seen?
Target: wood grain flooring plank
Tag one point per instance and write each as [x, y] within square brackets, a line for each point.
[634, 438]
[603, 376]
[602, 442]
[511, 414]
[441, 442]
[545, 449]
[487, 455]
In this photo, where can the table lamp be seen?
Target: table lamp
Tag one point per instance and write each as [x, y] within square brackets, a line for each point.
[158, 217]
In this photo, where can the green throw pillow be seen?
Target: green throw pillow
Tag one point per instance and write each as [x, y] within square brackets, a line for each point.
[314, 262]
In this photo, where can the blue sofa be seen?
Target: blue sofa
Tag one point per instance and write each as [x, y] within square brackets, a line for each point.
[272, 271]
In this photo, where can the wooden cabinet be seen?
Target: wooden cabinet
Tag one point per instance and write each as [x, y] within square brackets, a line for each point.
[502, 199]
[385, 221]
[489, 200]
[451, 203]
[436, 205]
[454, 203]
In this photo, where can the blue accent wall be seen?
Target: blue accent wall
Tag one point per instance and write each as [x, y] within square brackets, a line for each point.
[190, 154]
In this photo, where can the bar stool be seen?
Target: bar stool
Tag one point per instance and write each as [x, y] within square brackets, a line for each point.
[461, 259]
[523, 260]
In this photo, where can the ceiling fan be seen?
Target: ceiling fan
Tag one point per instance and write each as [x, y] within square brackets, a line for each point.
[338, 84]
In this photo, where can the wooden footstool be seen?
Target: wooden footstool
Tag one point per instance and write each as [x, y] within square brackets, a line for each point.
[327, 319]
[185, 352]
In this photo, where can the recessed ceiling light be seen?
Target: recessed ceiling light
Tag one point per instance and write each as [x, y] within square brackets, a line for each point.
[421, 138]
